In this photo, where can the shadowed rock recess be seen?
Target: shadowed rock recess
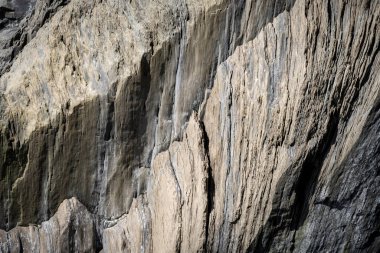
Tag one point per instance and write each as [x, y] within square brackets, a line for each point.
[189, 126]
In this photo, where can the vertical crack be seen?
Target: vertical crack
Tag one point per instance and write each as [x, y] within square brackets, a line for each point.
[210, 187]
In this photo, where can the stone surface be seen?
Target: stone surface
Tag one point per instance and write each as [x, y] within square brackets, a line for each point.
[130, 233]
[190, 126]
[178, 194]
[71, 229]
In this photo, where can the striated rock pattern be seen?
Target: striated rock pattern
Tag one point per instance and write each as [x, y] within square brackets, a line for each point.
[71, 229]
[190, 126]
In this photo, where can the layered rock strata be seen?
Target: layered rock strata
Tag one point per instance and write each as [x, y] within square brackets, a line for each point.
[210, 126]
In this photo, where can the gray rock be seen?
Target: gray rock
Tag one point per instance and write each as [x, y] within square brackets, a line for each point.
[192, 126]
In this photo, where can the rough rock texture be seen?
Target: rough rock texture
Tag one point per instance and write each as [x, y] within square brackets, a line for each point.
[178, 194]
[20, 23]
[191, 126]
[71, 229]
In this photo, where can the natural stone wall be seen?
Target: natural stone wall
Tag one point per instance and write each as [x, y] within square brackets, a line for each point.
[119, 107]
[211, 126]
[280, 129]
[71, 229]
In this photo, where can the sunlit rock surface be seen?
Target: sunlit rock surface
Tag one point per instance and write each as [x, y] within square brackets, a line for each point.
[189, 126]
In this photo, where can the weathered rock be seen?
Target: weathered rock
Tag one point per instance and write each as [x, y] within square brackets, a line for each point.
[20, 24]
[132, 232]
[178, 194]
[71, 229]
[132, 87]
[210, 126]
[281, 127]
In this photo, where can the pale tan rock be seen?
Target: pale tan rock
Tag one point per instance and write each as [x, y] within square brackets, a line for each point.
[245, 119]
[268, 125]
[178, 194]
[131, 233]
[71, 229]
[110, 85]
[283, 156]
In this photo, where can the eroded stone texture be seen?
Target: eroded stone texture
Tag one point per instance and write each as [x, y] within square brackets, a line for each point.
[71, 229]
[127, 93]
[281, 128]
[192, 126]
[178, 194]
[21, 22]
[131, 233]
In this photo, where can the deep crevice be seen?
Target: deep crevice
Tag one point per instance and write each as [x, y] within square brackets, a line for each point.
[210, 185]
[309, 174]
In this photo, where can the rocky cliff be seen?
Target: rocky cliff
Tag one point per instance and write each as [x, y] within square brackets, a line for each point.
[189, 126]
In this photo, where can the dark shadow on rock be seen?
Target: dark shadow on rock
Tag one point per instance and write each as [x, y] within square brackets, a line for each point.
[65, 155]
[358, 174]
[21, 25]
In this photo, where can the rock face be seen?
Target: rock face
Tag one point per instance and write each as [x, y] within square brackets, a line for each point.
[190, 126]
[71, 229]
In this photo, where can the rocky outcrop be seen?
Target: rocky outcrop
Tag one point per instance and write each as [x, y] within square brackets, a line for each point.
[71, 229]
[21, 21]
[280, 130]
[192, 126]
